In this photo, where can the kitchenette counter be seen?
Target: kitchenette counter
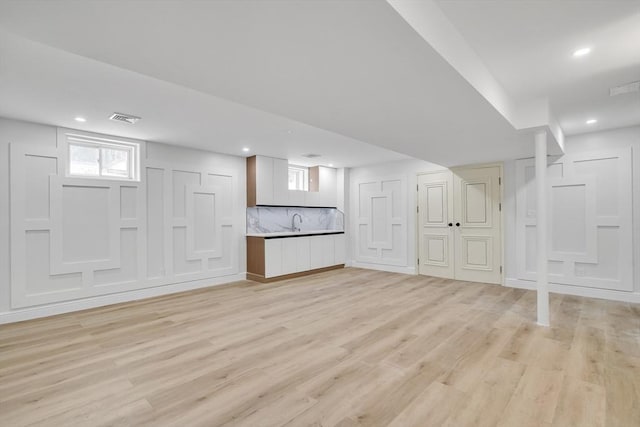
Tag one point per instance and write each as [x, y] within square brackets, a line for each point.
[284, 255]
[284, 234]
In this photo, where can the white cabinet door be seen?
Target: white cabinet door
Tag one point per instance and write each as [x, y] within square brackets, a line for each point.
[339, 248]
[322, 251]
[303, 257]
[264, 180]
[312, 198]
[280, 182]
[328, 251]
[315, 252]
[296, 197]
[289, 255]
[328, 187]
[272, 257]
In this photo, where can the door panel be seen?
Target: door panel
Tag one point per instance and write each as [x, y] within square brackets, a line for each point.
[478, 237]
[434, 215]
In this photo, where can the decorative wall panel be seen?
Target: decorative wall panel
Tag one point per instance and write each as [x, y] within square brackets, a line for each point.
[381, 221]
[74, 238]
[590, 222]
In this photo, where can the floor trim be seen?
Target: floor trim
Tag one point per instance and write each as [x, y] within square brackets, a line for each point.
[262, 279]
[633, 297]
[383, 267]
[29, 313]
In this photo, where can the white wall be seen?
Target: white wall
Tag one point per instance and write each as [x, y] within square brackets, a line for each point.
[181, 227]
[381, 215]
[599, 242]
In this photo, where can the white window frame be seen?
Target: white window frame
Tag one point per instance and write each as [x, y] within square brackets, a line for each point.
[77, 139]
[305, 177]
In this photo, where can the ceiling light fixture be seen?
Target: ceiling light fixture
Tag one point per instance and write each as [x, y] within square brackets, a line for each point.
[80, 119]
[592, 121]
[245, 149]
[582, 52]
[330, 165]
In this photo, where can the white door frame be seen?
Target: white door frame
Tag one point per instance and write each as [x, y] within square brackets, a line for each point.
[500, 166]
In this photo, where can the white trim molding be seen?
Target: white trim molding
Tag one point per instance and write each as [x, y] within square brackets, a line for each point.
[29, 313]
[632, 297]
[383, 267]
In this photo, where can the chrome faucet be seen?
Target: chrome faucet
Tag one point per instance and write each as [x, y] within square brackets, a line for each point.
[293, 222]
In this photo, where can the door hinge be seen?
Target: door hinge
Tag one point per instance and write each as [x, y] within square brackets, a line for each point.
[417, 209]
[418, 261]
[500, 269]
[500, 207]
[499, 181]
[417, 187]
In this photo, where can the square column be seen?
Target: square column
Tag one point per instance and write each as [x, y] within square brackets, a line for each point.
[542, 230]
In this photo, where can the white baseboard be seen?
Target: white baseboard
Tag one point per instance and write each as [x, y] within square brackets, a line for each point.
[633, 297]
[383, 267]
[100, 301]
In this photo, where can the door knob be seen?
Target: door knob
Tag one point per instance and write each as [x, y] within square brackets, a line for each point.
[450, 224]
[457, 224]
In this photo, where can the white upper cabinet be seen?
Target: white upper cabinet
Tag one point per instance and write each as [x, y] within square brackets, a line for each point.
[267, 181]
[263, 181]
[323, 186]
[268, 184]
[328, 186]
[296, 197]
[280, 182]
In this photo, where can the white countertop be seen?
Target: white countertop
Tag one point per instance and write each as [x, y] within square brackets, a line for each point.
[294, 233]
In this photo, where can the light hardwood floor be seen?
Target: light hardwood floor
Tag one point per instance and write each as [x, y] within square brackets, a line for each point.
[343, 348]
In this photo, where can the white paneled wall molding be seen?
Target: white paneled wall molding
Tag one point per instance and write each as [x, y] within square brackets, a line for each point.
[590, 221]
[380, 222]
[83, 238]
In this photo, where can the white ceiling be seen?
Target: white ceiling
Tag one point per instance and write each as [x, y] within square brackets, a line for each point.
[339, 74]
[528, 45]
[350, 67]
[71, 85]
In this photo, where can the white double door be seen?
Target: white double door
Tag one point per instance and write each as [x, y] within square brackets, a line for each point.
[459, 224]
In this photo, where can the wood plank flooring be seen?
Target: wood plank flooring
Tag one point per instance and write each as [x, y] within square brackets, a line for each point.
[343, 348]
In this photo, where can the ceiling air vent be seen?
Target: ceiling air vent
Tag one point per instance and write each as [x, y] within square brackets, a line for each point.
[628, 88]
[311, 156]
[126, 118]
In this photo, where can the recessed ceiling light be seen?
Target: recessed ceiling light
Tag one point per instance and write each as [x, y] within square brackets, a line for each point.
[592, 121]
[80, 119]
[245, 149]
[330, 165]
[582, 52]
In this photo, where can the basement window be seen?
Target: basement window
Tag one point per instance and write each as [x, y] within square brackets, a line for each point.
[90, 157]
[298, 178]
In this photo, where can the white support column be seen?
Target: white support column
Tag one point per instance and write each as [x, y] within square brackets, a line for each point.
[541, 228]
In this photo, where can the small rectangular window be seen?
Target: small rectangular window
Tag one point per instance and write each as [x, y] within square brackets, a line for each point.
[101, 158]
[298, 178]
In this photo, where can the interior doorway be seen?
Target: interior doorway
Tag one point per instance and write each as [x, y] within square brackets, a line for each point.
[460, 224]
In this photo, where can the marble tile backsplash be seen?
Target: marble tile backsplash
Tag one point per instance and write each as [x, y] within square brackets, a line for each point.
[273, 219]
